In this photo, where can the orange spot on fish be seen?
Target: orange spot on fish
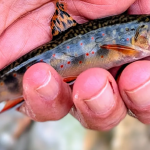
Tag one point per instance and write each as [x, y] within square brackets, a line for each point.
[81, 44]
[93, 52]
[80, 62]
[53, 55]
[92, 38]
[68, 62]
[127, 39]
[61, 66]
[28, 67]
[102, 56]
[103, 34]
[68, 47]
[87, 54]
[14, 74]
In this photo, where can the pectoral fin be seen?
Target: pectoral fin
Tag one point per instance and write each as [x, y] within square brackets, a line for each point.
[121, 48]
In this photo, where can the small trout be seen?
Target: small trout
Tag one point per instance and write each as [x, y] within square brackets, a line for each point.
[104, 43]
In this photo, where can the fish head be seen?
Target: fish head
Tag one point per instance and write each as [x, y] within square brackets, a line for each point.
[142, 37]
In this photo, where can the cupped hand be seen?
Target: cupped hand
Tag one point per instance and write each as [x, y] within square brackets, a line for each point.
[96, 100]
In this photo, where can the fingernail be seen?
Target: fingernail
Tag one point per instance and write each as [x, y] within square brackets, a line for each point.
[141, 95]
[103, 101]
[49, 89]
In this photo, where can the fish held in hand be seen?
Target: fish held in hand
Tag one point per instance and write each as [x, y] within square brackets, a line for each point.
[104, 43]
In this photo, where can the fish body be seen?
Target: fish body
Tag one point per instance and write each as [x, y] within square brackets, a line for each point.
[104, 43]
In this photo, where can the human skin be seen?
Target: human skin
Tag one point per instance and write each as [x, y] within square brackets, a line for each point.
[97, 98]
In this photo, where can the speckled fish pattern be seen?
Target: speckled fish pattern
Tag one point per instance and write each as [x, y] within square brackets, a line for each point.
[104, 43]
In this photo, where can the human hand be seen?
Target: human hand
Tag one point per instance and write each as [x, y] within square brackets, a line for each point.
[97, 102]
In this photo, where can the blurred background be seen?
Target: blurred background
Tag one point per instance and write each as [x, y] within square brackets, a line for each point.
[18, 132]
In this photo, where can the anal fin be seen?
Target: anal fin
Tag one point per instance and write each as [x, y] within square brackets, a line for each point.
[5, 105]
[69, 80]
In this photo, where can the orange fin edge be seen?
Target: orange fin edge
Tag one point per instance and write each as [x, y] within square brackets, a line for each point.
[69, 79]
[11, 103]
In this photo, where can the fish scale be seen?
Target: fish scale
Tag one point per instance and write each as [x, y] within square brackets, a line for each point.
[104, 43]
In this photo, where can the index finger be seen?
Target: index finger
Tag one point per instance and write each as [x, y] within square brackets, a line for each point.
[26, 34]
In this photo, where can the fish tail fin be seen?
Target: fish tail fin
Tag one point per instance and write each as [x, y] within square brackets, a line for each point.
[10, 91]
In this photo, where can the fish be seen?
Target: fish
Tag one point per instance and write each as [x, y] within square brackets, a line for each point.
[105, 43]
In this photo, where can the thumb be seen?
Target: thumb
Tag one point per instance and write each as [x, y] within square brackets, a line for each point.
[47, 97]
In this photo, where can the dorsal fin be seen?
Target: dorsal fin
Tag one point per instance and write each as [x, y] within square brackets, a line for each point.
[61, 20]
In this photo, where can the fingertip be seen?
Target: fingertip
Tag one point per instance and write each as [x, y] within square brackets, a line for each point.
[134, 85]
[37, 74]
[97, 99]
[92, 86]
[43, 80]
[42, 89]
[89, 82]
